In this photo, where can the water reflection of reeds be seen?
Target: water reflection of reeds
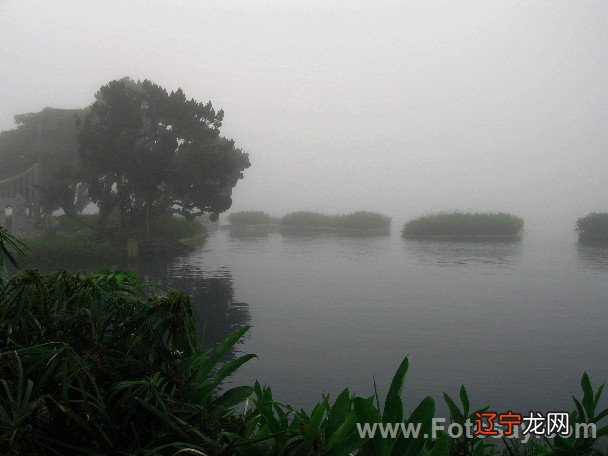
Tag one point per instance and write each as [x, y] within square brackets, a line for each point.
[505, 253]
[593, 255]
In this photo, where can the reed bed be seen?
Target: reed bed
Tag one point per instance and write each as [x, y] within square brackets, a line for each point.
[464, 224]
[360, 220]
[593, 226]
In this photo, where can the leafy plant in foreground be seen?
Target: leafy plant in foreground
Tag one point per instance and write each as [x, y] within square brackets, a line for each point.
[585, 412]
[10, 246]
[89, 364]
[332, 429]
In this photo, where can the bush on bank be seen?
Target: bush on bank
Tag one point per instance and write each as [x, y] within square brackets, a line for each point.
[74, 239]
[95, 364]
[164, 226]
[464, 224]
[303, 219]
[67, 247]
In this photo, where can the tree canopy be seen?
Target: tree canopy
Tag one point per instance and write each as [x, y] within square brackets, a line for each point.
[146, 151]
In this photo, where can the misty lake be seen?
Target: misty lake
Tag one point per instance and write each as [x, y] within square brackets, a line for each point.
[516, 322]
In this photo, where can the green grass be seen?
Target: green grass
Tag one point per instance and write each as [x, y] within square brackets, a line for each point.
[72, 246]
[246, 218]
[161, 227]
[464, 224]
[593, 226]
[361, 220]
[97, 364]
[73, 241]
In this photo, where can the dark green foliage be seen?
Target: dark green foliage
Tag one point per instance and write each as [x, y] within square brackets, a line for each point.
[586, 411]
[593, 226]
[89, 365]
[10, 247]
[244, 218]
[73, 240]
[464, 224]
[145, 151]
[163, 226]
[331, 428]
[465, 445]
[71, 246]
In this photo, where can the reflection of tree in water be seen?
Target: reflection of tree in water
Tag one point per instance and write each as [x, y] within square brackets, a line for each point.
[245, 234]
[211, 291]
[593, 255]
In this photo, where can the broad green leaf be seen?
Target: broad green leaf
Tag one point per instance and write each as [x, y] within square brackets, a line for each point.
[367, 413]
[312, 428]
[233, 397]
[464, 398]
[393, 406]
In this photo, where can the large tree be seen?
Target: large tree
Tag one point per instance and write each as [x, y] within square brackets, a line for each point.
[145, 151]
[48, 137]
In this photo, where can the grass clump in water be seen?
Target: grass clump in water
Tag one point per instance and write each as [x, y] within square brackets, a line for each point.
[308, 219]
[363, 220]
[593, 226]
[464, 224]
[360, 220]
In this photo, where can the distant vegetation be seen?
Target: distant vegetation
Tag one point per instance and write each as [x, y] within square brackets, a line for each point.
[464, 224]
[593, 226]
[245, 218]
[303, 219]
[363, 220]
[360, 220]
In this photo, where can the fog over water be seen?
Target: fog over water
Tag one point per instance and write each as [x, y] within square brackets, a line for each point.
[399, 107]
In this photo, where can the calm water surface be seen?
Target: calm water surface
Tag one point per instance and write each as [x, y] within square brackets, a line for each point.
[517, 323]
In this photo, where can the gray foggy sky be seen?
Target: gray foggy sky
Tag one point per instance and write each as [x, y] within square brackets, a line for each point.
[401, 107]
